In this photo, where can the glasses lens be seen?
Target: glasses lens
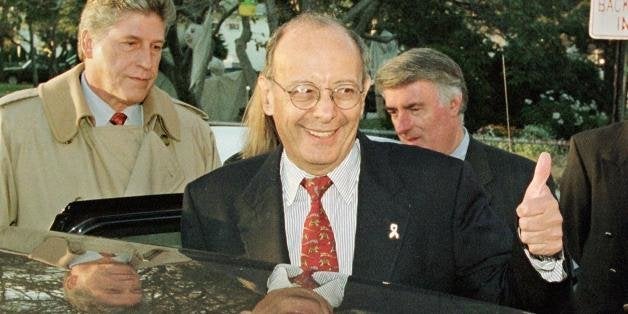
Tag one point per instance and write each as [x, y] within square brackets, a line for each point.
[304, 95]
[346, 96]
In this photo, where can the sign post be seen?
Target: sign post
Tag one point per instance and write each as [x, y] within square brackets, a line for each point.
[608, 19]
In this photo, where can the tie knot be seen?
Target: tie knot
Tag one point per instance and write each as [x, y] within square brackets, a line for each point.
[316, 186]
[118, 118]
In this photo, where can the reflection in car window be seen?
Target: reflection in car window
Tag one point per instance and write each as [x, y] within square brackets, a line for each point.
[32, 286]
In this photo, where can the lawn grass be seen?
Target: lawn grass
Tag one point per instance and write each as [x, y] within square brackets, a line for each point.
[8, 88]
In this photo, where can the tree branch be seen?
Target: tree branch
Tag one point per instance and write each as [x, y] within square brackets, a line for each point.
[223, 19]
[247, 69]
[356, 10]
[364, 21]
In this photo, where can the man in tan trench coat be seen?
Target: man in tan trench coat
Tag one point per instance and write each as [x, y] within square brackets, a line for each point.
[101, 129]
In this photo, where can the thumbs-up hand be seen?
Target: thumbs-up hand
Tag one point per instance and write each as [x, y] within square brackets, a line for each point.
[540, 221]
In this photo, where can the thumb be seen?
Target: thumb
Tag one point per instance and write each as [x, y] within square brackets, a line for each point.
[541, 174]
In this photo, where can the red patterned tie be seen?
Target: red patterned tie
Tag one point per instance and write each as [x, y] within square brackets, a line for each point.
[118, 118]
[318, 247]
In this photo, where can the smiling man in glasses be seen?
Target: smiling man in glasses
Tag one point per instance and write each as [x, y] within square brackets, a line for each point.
[325, 202]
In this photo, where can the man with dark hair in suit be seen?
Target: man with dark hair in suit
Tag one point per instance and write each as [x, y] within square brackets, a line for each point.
[426, 97]
[328, 200]
[594, 198]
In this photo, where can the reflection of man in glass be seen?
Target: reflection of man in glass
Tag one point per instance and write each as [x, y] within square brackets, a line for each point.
[96, 280]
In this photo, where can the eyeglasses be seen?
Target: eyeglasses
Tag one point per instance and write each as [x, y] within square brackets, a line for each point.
[306, 95]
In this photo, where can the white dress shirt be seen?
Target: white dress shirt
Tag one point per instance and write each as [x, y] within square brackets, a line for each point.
[340, 202]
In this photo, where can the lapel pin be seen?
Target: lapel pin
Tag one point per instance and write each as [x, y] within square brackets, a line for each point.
[393, 231]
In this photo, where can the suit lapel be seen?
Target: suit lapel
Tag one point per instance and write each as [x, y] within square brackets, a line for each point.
[381, 216]
[260, 207]
[477, 157]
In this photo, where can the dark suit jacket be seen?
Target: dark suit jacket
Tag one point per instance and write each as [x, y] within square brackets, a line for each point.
[450, 240]
[594, 198]
[504, 177]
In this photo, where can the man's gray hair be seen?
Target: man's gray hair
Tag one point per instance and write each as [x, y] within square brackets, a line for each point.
[98, 15]
[424, 64]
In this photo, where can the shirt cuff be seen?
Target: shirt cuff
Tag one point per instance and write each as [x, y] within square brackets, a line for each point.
[331, 284]
[550, 268]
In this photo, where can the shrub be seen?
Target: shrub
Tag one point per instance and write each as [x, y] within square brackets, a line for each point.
[535, 132]
[562, 115]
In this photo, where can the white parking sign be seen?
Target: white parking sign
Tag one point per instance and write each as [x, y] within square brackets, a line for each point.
[608, 19]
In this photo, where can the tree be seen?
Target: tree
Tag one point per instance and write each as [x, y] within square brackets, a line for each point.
[536, 55]
[187, 66]
[9, 23]
[45, 20]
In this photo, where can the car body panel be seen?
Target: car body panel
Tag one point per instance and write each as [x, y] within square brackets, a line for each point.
[192, 281]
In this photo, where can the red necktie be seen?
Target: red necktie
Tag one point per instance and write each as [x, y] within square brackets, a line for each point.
[318, 247]
[118, 118]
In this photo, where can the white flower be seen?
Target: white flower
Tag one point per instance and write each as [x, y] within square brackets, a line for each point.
[528, 101]
[560, 121]
[556, 115]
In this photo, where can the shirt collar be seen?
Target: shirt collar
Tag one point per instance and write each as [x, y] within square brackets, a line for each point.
[102, 112]
[344, 177]
[461, 151]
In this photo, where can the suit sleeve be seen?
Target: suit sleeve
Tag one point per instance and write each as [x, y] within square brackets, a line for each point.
[208, 219]
[482, 243]
[491, 264]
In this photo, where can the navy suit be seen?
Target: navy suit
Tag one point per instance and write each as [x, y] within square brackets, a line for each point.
[503, 175]
[450, 241]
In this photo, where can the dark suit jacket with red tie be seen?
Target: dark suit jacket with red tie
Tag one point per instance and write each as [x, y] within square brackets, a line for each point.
[450, 241]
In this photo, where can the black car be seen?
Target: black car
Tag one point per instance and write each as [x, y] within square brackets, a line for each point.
[164, 277]
[24, 73]
[182, 281]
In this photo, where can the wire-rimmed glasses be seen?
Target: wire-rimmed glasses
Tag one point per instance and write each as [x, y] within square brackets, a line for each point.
[306, 95]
